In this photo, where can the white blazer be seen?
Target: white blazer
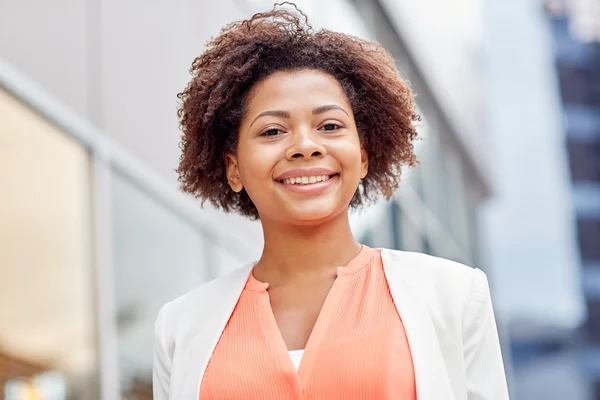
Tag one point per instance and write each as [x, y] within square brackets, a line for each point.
[445, 307]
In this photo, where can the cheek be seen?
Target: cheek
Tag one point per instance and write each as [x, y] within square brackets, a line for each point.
[350, 156]
[256, 165]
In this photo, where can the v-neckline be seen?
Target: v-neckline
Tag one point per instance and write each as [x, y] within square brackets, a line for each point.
[319, 330]
[275, 338]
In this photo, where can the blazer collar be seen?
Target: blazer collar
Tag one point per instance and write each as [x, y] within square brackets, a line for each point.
[212, 315]
[431, 376]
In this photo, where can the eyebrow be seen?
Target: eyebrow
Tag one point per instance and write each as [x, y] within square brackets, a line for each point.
[274, 113]
[328, 107]
[286, 114]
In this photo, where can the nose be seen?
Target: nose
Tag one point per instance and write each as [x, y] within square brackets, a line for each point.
[305, 144]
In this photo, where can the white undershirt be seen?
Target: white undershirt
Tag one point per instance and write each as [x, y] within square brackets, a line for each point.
[296, 356]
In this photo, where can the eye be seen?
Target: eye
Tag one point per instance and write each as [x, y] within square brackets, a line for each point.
[271, 132]
[331, 127]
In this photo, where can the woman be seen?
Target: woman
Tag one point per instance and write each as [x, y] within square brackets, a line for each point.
[294, 127]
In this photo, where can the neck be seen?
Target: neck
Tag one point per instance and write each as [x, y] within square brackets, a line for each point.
[305, 252]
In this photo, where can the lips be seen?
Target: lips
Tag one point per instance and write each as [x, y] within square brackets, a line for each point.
[307, 182]
[298, 174]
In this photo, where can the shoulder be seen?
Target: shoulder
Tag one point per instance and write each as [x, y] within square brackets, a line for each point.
[179, 322]
[178, 314]
[424, 269]
[442, 283]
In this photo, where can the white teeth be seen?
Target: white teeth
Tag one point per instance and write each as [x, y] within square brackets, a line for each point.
[306, 180]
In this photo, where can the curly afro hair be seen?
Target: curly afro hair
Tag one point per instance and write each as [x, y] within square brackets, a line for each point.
[244, 53]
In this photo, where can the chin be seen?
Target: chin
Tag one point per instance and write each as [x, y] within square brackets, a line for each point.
[313, 216]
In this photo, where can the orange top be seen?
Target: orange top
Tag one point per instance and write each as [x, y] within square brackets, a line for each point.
[357, 350]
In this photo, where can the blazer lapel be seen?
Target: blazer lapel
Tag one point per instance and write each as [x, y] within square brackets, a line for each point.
[210, 321]
[432, 381]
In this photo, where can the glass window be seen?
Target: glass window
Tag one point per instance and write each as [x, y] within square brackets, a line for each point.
[434, 173]
[47, 318]
[396, 221]
[582, 121]
[412, 238]
[591, 279]
[584, 159]
[382, 231]
[586, 197]
[593, 322]
[457, 199]
[588, 232]
[158, 256]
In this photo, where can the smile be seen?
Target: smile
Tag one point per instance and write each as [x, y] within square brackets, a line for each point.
[315, 184]
[306, 180]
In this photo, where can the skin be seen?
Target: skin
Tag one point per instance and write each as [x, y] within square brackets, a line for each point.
[299, 119]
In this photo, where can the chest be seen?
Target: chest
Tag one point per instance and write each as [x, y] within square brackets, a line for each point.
[296, 310]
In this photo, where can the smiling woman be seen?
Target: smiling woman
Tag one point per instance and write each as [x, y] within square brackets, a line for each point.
[295, 127]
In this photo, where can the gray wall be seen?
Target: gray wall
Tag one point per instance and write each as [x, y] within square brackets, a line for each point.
[120, 64]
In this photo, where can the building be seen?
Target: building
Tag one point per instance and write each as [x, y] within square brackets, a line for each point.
[94, 236]
[530, 235]
[435, 211]
[575, 26]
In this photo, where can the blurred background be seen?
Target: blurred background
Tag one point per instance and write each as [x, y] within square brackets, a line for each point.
[95, 237]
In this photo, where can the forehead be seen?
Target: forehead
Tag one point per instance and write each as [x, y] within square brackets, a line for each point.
[289, 90]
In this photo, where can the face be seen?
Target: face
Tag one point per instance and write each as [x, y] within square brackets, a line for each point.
[299, 156]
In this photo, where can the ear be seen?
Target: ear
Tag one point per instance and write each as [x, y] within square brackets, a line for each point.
[364, 162]
[233, 173]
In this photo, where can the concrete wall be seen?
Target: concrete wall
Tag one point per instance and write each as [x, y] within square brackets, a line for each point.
[121, 65]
